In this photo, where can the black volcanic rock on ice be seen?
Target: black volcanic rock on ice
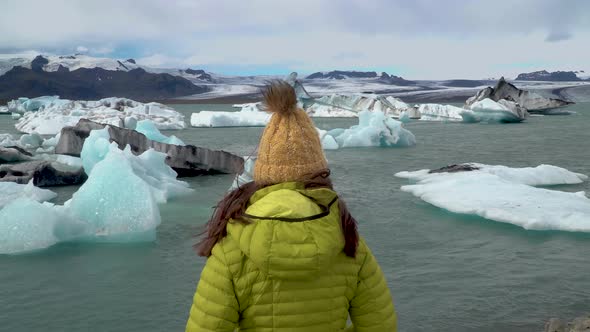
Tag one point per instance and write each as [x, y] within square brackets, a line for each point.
[186, 160]
[43, 173]
[92, 83]
[543, 75]
[531, 101]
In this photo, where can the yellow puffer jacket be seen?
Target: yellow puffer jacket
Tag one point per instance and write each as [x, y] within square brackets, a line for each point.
[286, 271]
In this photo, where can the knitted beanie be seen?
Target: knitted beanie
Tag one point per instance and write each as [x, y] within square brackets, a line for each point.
[290, 148]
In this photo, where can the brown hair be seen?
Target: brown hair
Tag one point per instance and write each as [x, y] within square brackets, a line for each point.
[234, 204]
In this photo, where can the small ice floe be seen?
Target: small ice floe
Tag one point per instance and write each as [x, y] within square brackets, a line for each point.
[248, 116]
[505, 194]
[374, 129]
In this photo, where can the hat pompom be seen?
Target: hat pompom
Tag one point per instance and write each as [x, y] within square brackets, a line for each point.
[279, 97]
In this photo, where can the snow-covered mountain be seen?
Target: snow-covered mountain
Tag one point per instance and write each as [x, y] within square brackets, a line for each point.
[53, 63]
[556, 76]
[85, 77]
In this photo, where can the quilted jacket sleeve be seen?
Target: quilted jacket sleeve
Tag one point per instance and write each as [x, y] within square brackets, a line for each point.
[215, 307]
[371, 308]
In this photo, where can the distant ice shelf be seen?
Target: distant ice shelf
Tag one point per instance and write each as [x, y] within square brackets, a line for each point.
[49, 114]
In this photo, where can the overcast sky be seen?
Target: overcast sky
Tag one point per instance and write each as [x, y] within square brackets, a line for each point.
[417, 39]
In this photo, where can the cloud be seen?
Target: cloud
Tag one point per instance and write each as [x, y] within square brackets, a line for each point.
[425, 38]
[81, 49]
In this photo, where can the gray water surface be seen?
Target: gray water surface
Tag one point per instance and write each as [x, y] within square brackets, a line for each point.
[446, 272]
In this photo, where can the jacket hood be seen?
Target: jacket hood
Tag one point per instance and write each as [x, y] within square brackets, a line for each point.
[294, 232]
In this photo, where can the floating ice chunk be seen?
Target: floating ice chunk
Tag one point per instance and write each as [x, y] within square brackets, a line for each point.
[374, 129]
[487, 110]
[115, 203]
[502, 194]
[437, 112]
[8, 140]
[27, 225]
[16, 116]
[249, 107]
[328, 141]
[130, 122]
[118, 202]
[95, 148]
[55, 114]
[11, 191]
[247, 117]
[148, 128]
[328, 111]
[22, 105]
[51, 142]
[31, 141]
[4, 110]
[150, 166]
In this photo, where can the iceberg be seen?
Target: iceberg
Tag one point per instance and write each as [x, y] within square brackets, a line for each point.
[115, 203]
[150, 166]
[27, 225]
[349, 105]
[249, 116]
[4, 110]
[11, 191]
[31, 141]
[148, 128]
[7, 140]
[50, 114]
[531, 101]
[118, 202]
[437, 112]
[505, 194]
[22, 105]
[328, 142]
[487, 110]
[374, 129]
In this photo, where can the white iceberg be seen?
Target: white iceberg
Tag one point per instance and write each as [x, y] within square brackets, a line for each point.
[11, 191]
[437, 112]
[115, 203]
[31, 141]
[507, 195]
[150, 166]
[487, 110]
[49, 115]
[118, 202]
[4, 110]
[148, 128]
[249, 116]
[350, 105]
[328, 142]
[27, 225]
[374, 129]
[8, 140]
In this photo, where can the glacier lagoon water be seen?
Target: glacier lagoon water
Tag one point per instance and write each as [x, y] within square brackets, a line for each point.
[447, 272]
